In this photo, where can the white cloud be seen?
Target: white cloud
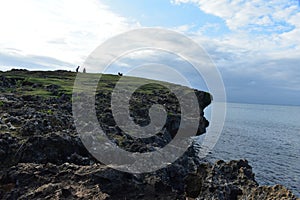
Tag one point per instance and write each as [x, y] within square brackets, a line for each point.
[67, 30]
[244, 14]
[184, 28]
[262, 46]
[265, 26]
[269, 29]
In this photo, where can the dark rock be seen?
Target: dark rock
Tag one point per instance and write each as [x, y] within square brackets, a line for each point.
[79, 160]
[222, 180]
[28, 181]
[36, 85]
[66, 193]
[55, 149]
[13, 120]
[54, 89]
[42, 157]
[9, 146]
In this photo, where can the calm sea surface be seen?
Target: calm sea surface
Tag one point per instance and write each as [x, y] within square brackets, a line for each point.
[268, 137]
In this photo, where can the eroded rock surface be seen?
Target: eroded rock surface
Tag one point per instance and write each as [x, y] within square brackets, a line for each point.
[42, 156]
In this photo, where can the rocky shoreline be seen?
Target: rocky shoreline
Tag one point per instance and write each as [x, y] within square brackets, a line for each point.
[42, 156]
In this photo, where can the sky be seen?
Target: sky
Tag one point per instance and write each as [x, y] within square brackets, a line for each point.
[254, 44]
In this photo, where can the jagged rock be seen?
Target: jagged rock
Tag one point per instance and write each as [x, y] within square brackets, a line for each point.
[270, 193]
[35, 181]
[7, 82]
[8, 149]
[53, 148]
[13, 120]
[3, 127]
[54, 89]
[231, 180]
[221, 180]
[42, 157]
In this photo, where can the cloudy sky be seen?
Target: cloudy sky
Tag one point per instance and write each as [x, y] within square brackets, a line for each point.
[254, 44]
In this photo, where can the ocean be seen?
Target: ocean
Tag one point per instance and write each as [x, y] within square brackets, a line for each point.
[268, 136]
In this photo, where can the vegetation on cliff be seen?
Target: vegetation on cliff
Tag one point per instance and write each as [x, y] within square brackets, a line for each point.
[42, 156]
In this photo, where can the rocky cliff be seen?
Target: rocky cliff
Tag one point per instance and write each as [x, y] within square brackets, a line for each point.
[42, 156]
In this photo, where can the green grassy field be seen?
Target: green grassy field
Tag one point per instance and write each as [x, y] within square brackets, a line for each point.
[36, 82]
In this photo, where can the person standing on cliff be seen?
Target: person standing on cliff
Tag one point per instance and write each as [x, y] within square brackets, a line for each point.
[77, 69]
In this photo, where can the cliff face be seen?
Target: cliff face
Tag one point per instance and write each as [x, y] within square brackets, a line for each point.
[42, 156]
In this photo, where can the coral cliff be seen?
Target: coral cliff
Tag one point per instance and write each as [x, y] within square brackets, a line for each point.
[42, 156]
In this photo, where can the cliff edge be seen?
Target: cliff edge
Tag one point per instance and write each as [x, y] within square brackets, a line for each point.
[42, 156]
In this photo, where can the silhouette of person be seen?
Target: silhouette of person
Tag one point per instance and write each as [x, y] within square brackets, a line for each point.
[77, 69]
[84, 71]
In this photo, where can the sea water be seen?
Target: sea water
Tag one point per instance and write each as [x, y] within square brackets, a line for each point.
[268, 136]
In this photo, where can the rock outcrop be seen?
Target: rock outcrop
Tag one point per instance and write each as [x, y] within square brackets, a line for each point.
[232, 180]
[42, 156]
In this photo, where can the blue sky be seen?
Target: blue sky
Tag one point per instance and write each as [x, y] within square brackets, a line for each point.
[254, 44]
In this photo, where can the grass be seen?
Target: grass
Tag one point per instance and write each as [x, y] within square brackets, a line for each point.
[38, 92]
[27, 79]
[35, 82]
